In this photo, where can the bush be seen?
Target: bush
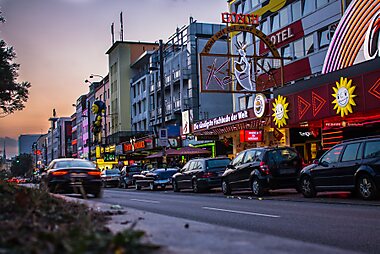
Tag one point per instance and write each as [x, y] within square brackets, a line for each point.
[33, 221]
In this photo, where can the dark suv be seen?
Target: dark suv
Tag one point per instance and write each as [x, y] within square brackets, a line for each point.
[200, 174]
[261, 169]
[353, 165]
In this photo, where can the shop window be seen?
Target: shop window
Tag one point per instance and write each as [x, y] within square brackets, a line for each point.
[350, 152]
[372, 150]
[275, 22]
[309, 44]
[284, 17]
[296, 10]
[308, 6]
[333, 155]
[321, 3]
[323, 38]
[299, 49]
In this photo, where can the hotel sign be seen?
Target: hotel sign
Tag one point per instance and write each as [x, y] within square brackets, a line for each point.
[222, 120]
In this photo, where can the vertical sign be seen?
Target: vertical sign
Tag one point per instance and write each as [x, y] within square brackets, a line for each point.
[163, 137]
[185, 122]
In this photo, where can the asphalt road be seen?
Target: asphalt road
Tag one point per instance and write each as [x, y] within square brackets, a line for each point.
[350, 225]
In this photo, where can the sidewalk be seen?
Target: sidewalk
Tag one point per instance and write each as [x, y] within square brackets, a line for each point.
[177, 235]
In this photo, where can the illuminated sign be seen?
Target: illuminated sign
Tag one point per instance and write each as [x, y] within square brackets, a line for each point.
[186, 122]
[109, 157]
[241, 19]
[221, 120]
[344, 97]
[134, 146]
[280, 109]
[356, 39]
[259, 105]
[251, 136]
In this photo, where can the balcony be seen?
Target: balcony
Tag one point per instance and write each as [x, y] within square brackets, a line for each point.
[139, 76]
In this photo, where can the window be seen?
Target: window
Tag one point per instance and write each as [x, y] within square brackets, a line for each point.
[323, 37]
[309, 44]
[299, 49]
[249, 156]
[264, 26]
[284, 17]
[237, 161]
[242, 103]
[321, 3]
[350, 152]
[372, 149]
[333, 155]
[308, 6]
[275, 22]
[255, 3]
[296, 11]
[285, 52]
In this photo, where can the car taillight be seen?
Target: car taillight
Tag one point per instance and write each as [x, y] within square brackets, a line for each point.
[206, 175]
[60, 173]
[264, 167]
[94, 173]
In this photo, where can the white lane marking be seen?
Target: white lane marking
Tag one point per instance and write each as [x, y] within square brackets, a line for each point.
[146, 201]
[241, 212]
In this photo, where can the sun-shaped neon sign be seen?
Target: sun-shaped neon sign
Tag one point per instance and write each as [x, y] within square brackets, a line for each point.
[280, 109]
[344, 97]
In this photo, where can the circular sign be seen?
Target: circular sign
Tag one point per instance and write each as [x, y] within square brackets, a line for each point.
[259, 105]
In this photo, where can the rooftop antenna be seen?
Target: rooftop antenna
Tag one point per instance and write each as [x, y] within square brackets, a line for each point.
[121, 26]
[112, 33]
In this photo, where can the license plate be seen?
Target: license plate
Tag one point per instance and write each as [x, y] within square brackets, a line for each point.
[78, 175]
[287, 171]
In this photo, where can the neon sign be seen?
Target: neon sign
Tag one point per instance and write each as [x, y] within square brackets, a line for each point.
[240, 19]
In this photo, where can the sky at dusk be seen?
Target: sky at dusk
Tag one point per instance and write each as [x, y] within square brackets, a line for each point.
[59, 43]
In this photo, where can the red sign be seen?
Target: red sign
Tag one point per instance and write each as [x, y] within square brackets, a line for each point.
[251, 136]
[134, 146]
[240, 19]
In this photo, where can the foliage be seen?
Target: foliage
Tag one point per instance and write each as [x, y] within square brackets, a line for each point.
[32, 221]
[13, 95]
[22, 165]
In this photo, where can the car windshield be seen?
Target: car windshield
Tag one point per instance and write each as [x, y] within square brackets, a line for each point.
[217, 164]
[74, 164]
[111, 171]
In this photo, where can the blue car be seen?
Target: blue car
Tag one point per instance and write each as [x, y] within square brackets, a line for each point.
[159, 177]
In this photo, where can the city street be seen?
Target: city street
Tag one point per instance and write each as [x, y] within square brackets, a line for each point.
[329, 220]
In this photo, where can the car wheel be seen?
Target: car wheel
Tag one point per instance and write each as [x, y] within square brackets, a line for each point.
[98, 194]
[366, 187]
[195, 186]
[307, 187]
[257, 187]
[137, 187]
[152, 187]
[226, 188]
[175, 186]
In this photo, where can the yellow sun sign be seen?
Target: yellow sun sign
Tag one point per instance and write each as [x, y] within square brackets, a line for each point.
[344, 97]
[280, 109]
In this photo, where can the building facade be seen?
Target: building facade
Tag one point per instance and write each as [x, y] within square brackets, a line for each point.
[25, 143]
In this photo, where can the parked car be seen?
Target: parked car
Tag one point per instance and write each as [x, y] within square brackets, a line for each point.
[110, 177]
[70, 176]
[13, 180]
[157, 177]
[126, 175]
[200, 174]
[262, 169]
[353, 165]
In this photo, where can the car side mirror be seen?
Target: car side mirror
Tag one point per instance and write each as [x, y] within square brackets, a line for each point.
[323, 163]
[316, 162]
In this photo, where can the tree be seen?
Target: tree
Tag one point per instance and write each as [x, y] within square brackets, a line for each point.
[13, 95]
[22, 165]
